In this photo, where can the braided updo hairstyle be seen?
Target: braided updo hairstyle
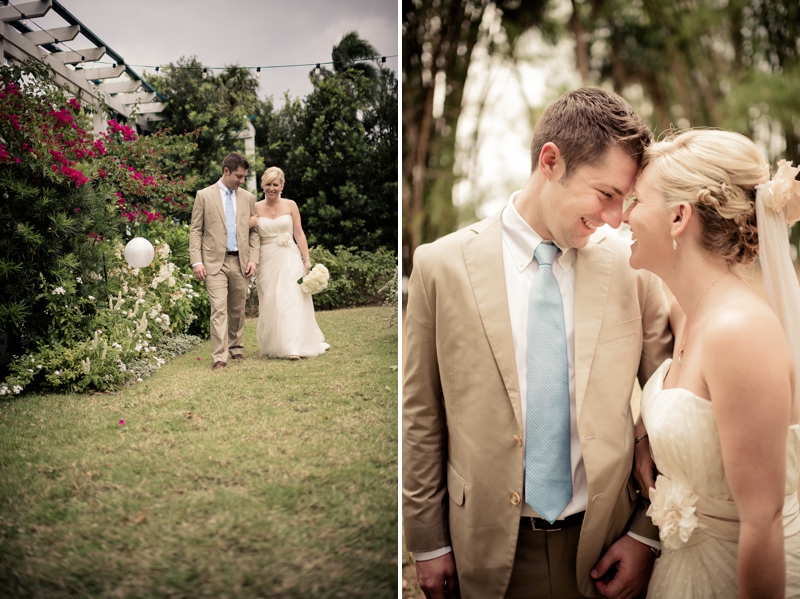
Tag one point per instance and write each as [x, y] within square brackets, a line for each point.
[716, 172]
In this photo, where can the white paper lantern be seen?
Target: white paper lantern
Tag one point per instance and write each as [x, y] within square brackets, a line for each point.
[139, 252]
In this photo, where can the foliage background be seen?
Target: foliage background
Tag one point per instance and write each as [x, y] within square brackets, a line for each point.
[71, 199]
[475, 71]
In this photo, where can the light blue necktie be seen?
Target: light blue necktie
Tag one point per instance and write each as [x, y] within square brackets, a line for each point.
[548, 464]
[230, 220]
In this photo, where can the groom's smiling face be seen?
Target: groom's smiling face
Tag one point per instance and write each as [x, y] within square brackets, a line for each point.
[232, 180]
[591, 197]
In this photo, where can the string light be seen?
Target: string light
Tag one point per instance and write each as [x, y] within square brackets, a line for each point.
[317, 66]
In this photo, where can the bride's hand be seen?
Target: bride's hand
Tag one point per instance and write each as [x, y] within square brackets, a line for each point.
[253, 221]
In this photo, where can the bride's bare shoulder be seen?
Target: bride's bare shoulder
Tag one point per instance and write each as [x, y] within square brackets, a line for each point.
[745, 333]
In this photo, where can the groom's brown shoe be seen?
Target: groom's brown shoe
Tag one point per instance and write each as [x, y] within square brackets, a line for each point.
[218, 365]
[237, 357]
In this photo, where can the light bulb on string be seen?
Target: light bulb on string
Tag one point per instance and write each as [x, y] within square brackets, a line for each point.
[383, 62]
[22, 19]
[157, 69]
[258, 72]
[205, 73]
[316, 70]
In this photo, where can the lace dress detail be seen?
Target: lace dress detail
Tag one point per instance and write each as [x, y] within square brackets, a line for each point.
[692, 503]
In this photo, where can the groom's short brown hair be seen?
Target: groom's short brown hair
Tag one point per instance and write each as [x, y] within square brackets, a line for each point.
[584, 124]
[233, 161]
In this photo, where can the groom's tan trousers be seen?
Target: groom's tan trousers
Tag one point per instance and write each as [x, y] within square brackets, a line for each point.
[544, 564]
[227, 292]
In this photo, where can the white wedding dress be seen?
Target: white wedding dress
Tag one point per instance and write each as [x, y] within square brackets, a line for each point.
[700, 546]
[286, 323]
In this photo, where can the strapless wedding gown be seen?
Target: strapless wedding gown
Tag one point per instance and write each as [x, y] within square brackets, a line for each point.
[692, 502]
[286, 323]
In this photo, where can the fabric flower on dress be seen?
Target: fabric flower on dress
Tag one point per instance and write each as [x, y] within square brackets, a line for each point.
[782, 192]
[284, 239]
[673, 510]
[316, 280]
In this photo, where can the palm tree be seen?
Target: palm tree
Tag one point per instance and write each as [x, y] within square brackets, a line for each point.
[354, 54]
[241, 87]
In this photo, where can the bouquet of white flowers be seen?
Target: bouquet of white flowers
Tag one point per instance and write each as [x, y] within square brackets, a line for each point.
[315, 281]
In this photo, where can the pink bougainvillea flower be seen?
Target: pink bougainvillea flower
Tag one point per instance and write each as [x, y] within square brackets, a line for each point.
[122, 423]
[198, 358]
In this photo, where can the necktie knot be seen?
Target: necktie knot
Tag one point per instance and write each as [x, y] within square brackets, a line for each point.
[545, 253]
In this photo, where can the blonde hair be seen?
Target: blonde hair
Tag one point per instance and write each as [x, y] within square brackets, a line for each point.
[716, 172]
[271, 174]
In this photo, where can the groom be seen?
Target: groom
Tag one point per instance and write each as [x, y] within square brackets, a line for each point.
[524, 334]
[224, 253]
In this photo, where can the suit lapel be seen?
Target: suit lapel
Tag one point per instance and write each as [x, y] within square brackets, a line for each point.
[592, 278]
[483, 258]
[242, 216]
[216, 195]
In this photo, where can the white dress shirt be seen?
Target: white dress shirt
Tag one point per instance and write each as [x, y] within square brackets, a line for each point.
[223, 191]
[519, 242]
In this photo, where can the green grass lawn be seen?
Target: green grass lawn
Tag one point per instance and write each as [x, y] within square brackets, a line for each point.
[268, 478]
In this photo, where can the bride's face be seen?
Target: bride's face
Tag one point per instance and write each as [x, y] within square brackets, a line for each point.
[650, 225]
[273, 189]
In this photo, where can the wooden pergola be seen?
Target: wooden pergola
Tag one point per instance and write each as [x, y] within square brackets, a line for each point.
[117, 88]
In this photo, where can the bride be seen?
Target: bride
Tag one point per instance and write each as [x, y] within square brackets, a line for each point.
[720, 418]
[286, 327]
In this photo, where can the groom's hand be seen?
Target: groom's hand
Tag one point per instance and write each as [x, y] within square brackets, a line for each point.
[251, 269]
[437, 577]
[200, 272]
[644, 468]
[625, 569]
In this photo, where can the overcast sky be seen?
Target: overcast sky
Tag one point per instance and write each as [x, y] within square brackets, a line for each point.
[247, 32]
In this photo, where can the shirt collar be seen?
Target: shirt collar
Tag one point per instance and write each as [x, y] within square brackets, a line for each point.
[225, 189]
[522, 239]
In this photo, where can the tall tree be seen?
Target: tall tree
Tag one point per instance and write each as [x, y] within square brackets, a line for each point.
[355, 53]
[335, 169]
[438, 39]
[278, 130]
[212, 108]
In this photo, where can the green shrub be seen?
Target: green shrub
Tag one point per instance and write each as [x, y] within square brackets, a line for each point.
[133, 329]
[357, 278]
[176, 236]
[64, 193]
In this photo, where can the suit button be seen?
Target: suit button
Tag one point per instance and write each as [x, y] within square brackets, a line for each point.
[515, 499]
[517, 440]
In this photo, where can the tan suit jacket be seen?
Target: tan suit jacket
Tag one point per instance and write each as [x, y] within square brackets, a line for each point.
[208, 233]
[461, 401]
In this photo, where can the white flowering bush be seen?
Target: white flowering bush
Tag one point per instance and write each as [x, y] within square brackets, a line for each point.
[316, 280]
[130, 334]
